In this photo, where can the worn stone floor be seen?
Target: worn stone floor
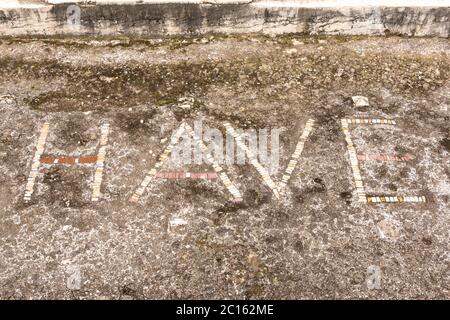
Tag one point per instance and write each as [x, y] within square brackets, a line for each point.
[104, 109]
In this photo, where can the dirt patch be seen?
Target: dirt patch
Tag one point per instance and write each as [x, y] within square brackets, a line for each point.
[65, 188]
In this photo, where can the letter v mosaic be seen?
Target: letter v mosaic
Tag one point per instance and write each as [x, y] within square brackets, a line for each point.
[278, 189]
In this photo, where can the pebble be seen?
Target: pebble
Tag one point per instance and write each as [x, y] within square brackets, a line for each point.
[185, 106]
[360, 101]
[296, 42]
[291, 51]
[16, 219]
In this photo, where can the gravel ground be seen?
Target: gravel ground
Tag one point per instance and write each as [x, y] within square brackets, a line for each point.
[187, 238]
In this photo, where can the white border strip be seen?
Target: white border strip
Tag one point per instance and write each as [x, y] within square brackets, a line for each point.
[370, 121]
[98, 176]
[398, 199]
[354, 161]
[298, 151]
[29, 188]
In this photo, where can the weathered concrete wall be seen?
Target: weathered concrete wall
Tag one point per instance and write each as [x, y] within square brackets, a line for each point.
[157, 19]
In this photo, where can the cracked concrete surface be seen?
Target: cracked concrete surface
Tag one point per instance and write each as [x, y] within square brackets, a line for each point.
[186, 238]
